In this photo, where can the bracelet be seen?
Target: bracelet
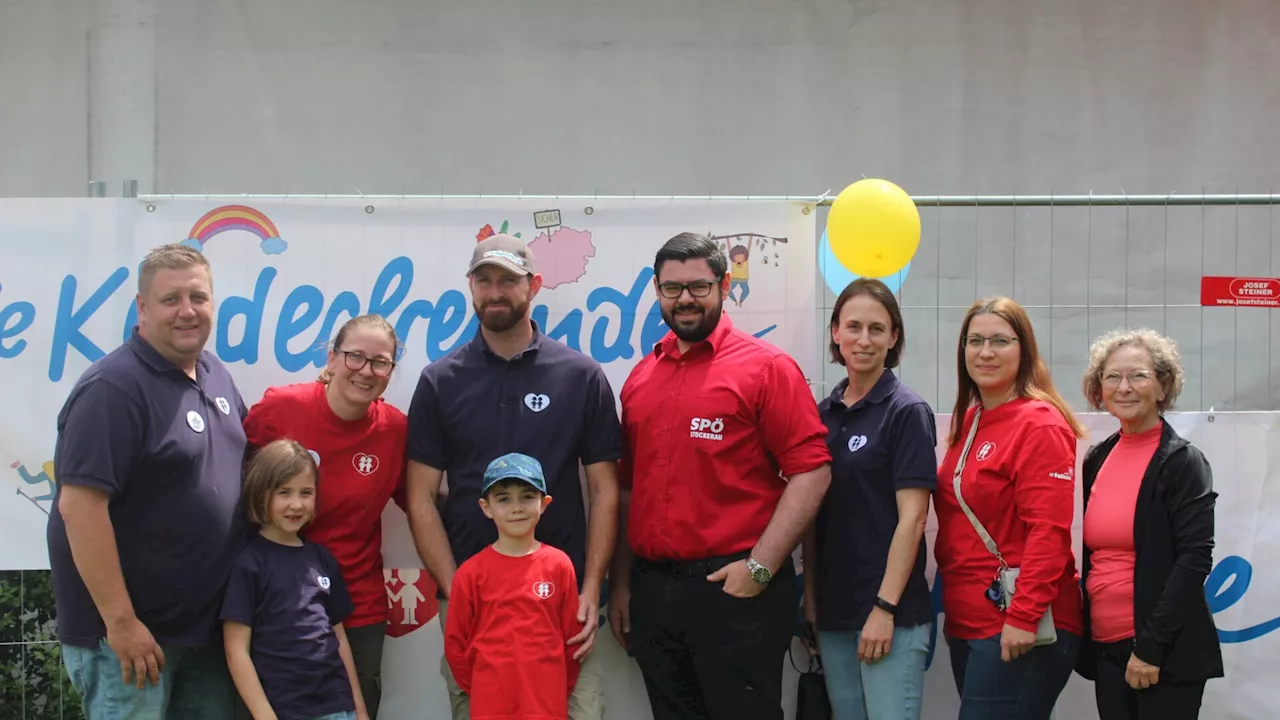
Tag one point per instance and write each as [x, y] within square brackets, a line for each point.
[886, 606]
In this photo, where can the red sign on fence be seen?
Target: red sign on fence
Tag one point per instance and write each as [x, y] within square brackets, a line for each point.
[1240, 292]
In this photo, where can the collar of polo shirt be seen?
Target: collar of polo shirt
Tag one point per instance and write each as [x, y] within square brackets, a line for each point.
[668, 347]
[155, 360]
[478, 342]
[879, 393]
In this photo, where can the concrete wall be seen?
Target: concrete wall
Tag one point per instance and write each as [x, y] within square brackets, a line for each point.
[725, 97]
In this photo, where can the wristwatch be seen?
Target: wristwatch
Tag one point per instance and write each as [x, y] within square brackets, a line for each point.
[886, 606]
[759, 573]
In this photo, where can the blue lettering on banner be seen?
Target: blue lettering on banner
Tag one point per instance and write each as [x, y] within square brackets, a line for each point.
[310, 300]
[25, 313]
[1225, 587]
[251, 310]
[68, 321]
[307, 321]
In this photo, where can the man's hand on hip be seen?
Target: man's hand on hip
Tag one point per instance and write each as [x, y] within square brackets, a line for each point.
[737, 580]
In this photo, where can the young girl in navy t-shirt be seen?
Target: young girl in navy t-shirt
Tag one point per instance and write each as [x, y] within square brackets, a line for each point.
[285, 601]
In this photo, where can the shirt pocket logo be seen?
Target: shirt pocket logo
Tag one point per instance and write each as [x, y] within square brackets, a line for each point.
[536, 402]
[707, 428]
[324, 582]
[857, 442]
[543, 590]
[365, 464]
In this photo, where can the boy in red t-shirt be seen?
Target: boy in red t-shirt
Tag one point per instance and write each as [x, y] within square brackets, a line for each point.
[514, 606]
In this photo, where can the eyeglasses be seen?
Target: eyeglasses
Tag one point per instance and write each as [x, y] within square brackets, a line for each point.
[1137, 378]
[998, 342]
[356, 360]
[697, 288]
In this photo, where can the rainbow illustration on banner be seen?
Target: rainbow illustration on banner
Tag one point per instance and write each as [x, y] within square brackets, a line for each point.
[236, 217]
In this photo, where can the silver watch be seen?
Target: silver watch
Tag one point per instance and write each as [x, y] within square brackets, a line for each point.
[759, 573]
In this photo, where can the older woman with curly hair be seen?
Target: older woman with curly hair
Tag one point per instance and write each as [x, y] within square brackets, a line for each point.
[1149, 642]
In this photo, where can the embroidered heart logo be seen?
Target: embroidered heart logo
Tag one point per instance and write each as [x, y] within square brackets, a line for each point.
[536, 402]
[365, 464]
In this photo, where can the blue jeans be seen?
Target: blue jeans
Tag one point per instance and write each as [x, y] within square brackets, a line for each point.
[194, 684]
[891, 689]
[344, 715]
[1025, 689]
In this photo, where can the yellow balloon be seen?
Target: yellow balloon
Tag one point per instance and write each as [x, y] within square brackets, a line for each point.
[873, 228]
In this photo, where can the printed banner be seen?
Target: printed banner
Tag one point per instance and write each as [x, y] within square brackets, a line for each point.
[287, 274]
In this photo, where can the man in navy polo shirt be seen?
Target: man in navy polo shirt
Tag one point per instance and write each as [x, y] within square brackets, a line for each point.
[512, 389]
[146, 523]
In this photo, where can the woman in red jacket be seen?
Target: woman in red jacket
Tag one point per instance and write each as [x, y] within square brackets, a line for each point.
[358, 440]
[1005, 500]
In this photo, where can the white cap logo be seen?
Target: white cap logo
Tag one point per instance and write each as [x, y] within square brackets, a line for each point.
[505, 256]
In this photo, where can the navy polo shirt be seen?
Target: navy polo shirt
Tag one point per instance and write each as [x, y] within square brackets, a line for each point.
[884, 443]
[550, 402]
[168, 451]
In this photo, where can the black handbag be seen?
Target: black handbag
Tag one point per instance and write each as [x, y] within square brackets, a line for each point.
[812, 702]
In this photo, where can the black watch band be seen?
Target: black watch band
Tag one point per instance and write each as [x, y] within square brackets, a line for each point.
[886, 606]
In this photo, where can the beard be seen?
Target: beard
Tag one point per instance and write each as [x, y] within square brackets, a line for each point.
[686, 328]
[511, 315]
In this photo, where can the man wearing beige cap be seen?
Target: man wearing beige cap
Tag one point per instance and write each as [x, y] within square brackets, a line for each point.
[513, 389]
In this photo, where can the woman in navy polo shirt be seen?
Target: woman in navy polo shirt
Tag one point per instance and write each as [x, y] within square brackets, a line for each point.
[865, 587]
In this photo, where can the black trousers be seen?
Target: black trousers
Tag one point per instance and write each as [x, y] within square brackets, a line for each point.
[1163, 701]
[704, 654]
[366, 651]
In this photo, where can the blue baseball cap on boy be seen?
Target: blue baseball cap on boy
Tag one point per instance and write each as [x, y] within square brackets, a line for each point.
[514, 466]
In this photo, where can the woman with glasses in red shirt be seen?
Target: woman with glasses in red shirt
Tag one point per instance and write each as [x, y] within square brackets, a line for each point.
[1005, 501]
[358, 441]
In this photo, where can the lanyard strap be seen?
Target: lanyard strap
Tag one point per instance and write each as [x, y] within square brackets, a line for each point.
[955, 481]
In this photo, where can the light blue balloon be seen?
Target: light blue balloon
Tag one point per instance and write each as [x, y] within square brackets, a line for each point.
[838, 277]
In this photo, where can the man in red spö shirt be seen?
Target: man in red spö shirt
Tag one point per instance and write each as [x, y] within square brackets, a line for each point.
[725, 467]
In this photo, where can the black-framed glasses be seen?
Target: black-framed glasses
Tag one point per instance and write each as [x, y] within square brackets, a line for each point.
[356, 360]
[697, 288]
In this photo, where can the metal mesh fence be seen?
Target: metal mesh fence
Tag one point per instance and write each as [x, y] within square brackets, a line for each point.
[1082, 265]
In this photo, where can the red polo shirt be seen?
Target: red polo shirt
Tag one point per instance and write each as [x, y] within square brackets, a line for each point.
[711, 436]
